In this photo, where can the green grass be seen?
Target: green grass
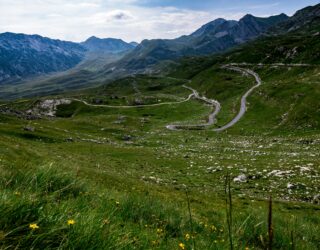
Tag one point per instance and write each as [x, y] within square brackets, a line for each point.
[135, 219]
[130, 193]
[122, 176]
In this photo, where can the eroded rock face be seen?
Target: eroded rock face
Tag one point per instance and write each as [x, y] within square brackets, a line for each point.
[48, 107]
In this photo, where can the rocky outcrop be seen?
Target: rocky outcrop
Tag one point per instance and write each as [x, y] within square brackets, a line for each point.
[47, 107]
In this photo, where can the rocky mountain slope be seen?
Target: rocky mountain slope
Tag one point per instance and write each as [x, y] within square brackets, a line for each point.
[302, 19]
[296, 40]
[22, 55]
[25, 55]
[216, 36]
[292, 41]
[30, 55]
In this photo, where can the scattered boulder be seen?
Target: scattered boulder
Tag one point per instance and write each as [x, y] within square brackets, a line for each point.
[29, 128]
[316, 199]
[279, 173]
[137, 101]
[213, 169]
[241, 178]
[152, 179]
[290, 186]
[127, 138]
[70, 139]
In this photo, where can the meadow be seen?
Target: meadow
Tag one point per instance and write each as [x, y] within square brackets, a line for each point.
[114, 178]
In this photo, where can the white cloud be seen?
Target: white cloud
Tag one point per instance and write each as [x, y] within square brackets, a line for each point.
[77, 20]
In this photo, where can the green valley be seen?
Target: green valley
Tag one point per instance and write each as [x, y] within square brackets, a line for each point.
[96, 167]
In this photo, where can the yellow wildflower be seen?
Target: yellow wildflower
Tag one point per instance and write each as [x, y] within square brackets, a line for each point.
[187, 237]
[159, 231]
[71, 222]
[182, 246]
[33, 226]
[117, 203]
[247, 248]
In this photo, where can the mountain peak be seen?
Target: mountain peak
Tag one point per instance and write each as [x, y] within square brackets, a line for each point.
[218, 21]
[92, 38]
[97, 39]
[275, 18]
[283, 15]
[262, 23]
[109, 45]
[301, 18]
[247, 16]
[209, 26]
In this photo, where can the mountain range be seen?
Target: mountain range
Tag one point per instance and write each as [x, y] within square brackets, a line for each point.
[97, 61]
[107, 45]
[23, 55]
[28, 55]
[216, 36]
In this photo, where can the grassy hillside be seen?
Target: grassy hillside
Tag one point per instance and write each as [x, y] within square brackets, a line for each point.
[298, 46]
[293, 48]
[112, 178]
[287, 102]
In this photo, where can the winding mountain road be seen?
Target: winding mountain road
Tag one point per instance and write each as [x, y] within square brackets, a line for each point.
[212, 116]
[195, 94]
[243, 107]
[132, 106]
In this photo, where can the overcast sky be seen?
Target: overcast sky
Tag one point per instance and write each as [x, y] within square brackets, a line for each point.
[131, 20]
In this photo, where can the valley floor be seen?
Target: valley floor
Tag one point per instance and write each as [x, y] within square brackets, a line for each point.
[98, 177]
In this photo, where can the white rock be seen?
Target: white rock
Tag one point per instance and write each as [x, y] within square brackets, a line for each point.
[290, 186]
[240, 178]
